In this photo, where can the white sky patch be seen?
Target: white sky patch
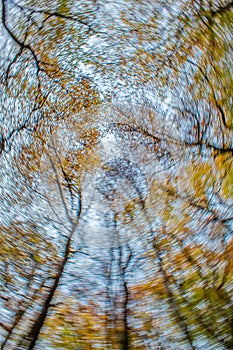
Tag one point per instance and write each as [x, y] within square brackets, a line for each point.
[109, 144]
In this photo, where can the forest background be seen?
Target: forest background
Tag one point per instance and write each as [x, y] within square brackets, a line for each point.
[116, 174]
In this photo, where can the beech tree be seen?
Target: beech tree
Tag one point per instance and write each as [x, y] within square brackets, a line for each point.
[116, 175]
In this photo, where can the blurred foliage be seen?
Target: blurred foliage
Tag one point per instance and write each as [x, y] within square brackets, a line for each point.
[116, 175]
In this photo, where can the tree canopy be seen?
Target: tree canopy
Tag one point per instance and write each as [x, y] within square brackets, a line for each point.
[116, 189]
